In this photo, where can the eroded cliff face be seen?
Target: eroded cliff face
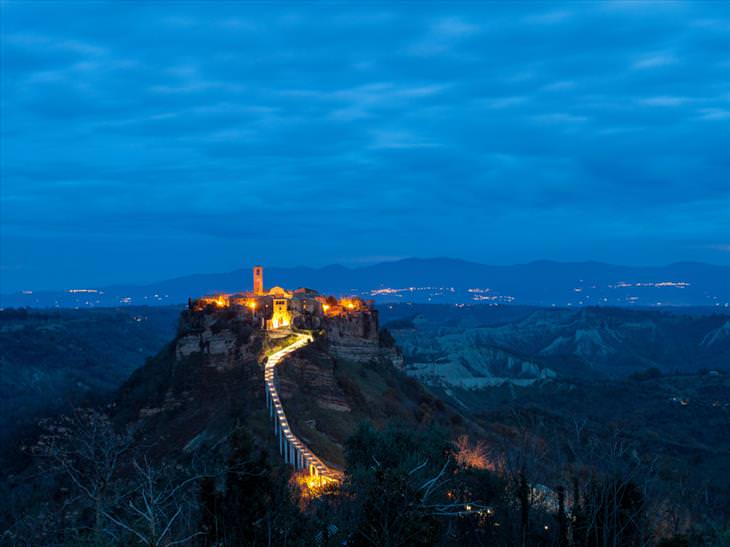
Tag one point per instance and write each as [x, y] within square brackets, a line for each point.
[473, 347]
[211, 377]
[223, 338]
[192, 394]
[303, 374]
[326, 396]
[355, 337]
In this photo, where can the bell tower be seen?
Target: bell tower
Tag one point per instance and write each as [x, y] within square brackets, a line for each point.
[258, 280]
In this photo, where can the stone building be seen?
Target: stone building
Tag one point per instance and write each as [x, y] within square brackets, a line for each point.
[350, 324]
[278, 308]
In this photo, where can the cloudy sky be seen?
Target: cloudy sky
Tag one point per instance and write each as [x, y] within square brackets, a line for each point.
[146, 141]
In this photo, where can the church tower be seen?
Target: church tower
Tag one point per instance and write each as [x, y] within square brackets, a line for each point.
[258, 280]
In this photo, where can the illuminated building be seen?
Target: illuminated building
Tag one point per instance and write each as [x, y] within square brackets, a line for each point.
[280, 316]
[279, 308]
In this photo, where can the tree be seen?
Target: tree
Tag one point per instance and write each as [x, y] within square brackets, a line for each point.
[86, 451]
[209, 510]
[401, 485]
[158, 509]
[468, 455]
[562, 518]
[255, 506]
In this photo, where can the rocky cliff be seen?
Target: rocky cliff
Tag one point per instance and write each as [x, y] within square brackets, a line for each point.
[211, 375]
[356, 337]
[223, 337]
[327, 396]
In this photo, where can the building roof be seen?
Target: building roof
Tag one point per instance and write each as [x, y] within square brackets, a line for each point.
[279, 291]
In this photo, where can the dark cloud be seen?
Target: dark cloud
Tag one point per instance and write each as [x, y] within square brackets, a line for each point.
[136, 134]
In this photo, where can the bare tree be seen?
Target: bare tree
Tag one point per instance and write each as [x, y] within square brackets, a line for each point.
[407, 506]
[617, 491]
[158, 510]
[468, 454]
[85, 449]
[523, 463]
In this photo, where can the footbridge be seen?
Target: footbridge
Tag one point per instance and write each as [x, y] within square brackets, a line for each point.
[292, 449]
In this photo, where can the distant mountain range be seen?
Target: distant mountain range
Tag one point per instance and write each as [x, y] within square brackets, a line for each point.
[436, 280]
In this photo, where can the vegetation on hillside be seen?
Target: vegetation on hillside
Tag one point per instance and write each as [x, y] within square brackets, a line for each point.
[183, 454]
[53, 359]
[373, 392]
[401, 488]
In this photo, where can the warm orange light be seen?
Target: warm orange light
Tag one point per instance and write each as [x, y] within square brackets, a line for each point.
[218, 300]
[350, 303]
[252, 305]
[325, 307]
[470, 454]
[313, 486]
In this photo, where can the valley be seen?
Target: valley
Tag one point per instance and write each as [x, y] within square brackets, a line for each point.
[481, 346]
[549, 397]
[51, 360]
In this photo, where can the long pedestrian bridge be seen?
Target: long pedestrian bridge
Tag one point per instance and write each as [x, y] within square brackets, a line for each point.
[291, 448]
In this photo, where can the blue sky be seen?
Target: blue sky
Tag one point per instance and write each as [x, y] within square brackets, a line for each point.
[148, 140]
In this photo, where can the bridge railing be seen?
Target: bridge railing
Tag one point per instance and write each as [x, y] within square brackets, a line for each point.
[291, 448]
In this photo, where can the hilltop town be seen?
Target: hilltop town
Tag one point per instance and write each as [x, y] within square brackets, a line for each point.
[350, 324]
[266, 326]
[279, 308]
